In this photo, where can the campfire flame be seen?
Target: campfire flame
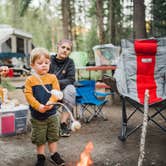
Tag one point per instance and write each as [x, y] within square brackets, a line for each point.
[85, 157]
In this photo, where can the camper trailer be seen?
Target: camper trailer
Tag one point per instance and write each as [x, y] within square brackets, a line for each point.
[15, 46]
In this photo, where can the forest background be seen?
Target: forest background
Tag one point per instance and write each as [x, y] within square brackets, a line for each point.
[87, 23]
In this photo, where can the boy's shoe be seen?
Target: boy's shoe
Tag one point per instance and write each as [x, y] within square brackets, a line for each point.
[64, 131]
[40, 160]
[57, 160]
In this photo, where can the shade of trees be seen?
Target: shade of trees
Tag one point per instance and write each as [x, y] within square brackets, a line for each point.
[86, 23]
[158, 22]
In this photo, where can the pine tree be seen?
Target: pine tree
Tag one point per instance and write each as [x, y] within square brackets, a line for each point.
[159, 18]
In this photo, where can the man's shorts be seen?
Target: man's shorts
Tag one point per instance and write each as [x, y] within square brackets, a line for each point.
[45, 130]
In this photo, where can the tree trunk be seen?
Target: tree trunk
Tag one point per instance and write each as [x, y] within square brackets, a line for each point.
[139, 19]
[71, 19]
[65, 17]
[99, 13]
[52, 38]
[114, 24]
[110, 21]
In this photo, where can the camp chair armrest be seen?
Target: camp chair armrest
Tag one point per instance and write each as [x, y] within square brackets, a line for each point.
[102, 94]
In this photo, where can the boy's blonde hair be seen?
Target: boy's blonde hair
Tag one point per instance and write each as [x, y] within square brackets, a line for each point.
[37, 52]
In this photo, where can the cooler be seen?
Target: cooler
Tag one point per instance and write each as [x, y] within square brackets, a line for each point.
[13, 120]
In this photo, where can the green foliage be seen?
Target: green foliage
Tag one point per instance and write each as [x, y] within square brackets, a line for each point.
[159, 17]
[23, 6]
[91, 40]
[40, 20]
[92, 9]
[39, 27]
[7, 84]
[35, 21]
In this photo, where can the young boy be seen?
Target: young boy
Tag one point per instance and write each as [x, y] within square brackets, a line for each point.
[45, 125]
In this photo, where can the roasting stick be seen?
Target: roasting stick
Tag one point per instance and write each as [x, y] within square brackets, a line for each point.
[144, 128]
[57, 93]
[75, 125]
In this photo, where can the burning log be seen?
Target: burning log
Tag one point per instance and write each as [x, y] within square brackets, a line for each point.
[85, 157]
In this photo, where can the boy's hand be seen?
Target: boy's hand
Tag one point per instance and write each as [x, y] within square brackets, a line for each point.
[49, 105]
[42, 108]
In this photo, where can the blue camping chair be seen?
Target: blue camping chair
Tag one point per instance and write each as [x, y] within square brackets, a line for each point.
[90, 101]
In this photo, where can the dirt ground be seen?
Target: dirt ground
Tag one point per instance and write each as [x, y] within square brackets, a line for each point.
[108, 149]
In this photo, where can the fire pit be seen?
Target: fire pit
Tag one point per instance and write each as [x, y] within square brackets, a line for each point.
[85, 157]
